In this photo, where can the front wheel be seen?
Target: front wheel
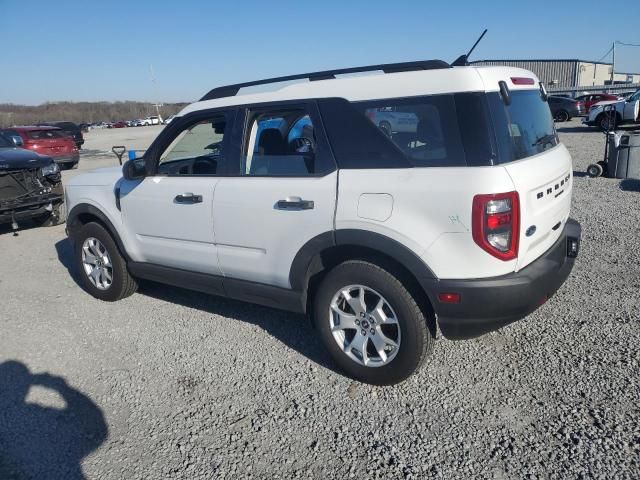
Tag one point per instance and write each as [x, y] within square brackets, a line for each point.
[101, 268]
[371, 325]
[607, 122]
[562, 116]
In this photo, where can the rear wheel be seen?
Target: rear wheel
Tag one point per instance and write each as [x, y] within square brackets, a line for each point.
[562, 116]
[371, 325]
[101, 268]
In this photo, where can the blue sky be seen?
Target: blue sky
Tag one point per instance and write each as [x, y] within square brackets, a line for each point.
[85, 50]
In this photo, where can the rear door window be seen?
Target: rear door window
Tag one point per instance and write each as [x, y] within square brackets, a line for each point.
[284, 142]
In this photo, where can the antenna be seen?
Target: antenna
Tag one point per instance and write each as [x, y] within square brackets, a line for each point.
[463, 60]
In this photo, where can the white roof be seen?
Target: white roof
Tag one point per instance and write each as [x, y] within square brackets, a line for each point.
[379, 85]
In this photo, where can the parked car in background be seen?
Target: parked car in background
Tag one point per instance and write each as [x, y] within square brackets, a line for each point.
[137, 123]
[168, 120]
[611, 113]
[153, 120]
[50, 141]
[393, 120]
[30, 186]
[564, 109]
[69, 128]
[592, 98]
[119, 125]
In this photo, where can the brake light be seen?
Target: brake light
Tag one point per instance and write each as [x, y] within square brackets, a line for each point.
[522, 81]
[495, 224]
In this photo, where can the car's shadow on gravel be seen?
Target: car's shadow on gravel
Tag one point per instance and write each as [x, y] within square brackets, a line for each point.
[293, 330]
[576, 129]
[64, 249]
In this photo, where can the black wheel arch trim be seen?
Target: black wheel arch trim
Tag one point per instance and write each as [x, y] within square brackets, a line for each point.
[73, 223]
[308, 260]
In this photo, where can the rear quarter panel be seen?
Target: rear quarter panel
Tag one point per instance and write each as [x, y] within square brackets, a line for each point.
[430, 213]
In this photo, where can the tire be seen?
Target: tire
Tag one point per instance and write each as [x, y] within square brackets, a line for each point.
[57, 217]
[410, 330]
[386, 128]
[607, 122]
[122, 283]
[562, 116]
[594, 170]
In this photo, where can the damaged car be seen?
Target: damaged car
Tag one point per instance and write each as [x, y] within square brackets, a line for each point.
[30, 187]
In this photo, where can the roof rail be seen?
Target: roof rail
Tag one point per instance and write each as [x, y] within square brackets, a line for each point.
[232, 90]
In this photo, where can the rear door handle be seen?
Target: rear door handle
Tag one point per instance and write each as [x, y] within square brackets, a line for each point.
[188, 198]
[295, 203]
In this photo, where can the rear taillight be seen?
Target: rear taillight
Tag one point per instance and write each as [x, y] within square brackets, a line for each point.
[496, 224]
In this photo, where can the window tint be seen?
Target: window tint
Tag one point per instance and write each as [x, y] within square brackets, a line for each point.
[45, 134]
[281, 143]
[197, 150]
[525, 127]
[425, 129]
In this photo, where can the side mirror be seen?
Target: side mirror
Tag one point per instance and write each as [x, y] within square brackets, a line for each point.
[17, 140]
[134, 169]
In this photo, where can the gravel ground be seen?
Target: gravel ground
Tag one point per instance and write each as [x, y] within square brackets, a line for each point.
[169, 383]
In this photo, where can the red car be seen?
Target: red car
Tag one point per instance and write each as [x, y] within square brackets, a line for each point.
[592, 98]
[49, 141]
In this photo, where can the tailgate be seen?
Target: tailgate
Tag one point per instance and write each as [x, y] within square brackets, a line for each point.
[544, 183]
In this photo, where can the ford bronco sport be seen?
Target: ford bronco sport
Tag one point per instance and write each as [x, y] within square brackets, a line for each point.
[296, 198]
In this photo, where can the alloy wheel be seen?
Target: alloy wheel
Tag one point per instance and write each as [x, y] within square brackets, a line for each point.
[364, 326]
[96, 263]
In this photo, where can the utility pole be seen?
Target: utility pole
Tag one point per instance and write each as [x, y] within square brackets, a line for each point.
[613, 63]
[154, 89]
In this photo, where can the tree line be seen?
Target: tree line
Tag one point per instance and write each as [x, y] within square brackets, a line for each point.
[81, 112]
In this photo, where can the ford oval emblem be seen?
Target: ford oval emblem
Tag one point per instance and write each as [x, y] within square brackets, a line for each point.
[530, 231]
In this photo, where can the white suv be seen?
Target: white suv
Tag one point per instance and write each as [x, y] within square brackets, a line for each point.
[294, 198]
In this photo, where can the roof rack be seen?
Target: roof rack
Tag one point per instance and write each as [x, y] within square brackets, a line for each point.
[232, 90]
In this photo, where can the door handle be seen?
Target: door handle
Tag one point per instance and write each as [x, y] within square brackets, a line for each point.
[295, 203]
[188, 198]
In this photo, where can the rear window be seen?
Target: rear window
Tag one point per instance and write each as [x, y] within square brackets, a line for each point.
[45, 134]
[524, 128]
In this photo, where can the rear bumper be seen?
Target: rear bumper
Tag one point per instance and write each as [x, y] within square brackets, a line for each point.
[67, 160]
[487, 304]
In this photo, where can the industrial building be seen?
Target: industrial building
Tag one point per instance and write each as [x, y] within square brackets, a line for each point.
[571, 74]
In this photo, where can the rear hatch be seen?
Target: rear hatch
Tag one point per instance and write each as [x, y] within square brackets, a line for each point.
[544, 183]
[51, 142]
[540, 167]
